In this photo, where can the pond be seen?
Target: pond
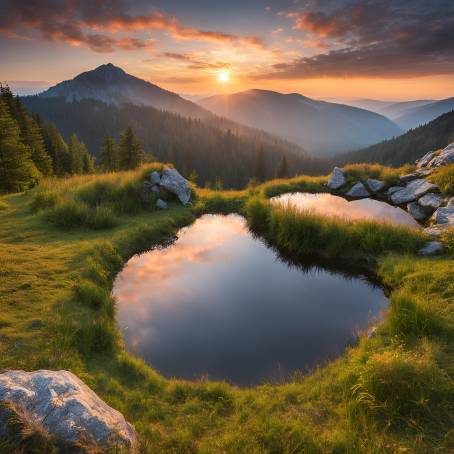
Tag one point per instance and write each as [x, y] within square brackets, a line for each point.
[332, 205]
[219, 304]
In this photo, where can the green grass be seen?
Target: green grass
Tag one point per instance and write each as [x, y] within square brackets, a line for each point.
[391, 393]
[444, 178]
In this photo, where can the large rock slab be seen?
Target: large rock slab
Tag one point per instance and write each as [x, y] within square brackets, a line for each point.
[431, 201]
[358, 191]
[444, 215]
[431, 248]
[66, 408]
[444, 158]
[337, 179]
[413, 190]
[393, 189]
[375, 185]
[417, 211]
[409, 177]
[176, 184]
[450, 202]
[422, 162]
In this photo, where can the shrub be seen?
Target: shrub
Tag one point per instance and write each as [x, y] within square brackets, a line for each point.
[93, 295]
[389, 175]
[99, 336]
[44, 200]
[444, 178]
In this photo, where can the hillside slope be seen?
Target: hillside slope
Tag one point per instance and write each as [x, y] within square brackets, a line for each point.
[322, 128]
[408, 147]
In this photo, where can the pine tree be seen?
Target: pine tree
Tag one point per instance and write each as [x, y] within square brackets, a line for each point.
[58, 150]
[75, 154]
[34, 139]
[17, 170]
[282, 171]
[130, 150]
[88, 162]
[109, 155]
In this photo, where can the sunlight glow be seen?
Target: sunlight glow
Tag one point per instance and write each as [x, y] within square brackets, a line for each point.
[223, 76]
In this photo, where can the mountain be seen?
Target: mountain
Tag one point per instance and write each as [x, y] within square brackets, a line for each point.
[422, 114]
[320, 127]
[113, 86]
[409, 146]
[213, 147]
[397, 109]
[374, 105]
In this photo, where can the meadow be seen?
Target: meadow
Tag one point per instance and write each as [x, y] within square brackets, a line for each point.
[62, 243]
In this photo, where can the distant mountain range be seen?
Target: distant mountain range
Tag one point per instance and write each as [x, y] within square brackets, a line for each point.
[408, 147]
[321, 128]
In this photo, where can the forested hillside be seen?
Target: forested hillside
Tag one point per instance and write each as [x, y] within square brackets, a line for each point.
[409, 146]
[214, 148]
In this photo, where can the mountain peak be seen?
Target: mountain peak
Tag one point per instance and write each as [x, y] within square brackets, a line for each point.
[109, 68]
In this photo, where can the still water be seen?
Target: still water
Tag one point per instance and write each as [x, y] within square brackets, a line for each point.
[332, 205]
[219, 303]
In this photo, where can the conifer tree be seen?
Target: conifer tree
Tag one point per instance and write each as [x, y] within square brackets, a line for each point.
[58, 150]
[17, 170]
[130, 152]
[282, 171]
[88, 162]
[109, 155]
[75, 153]
[34, 139]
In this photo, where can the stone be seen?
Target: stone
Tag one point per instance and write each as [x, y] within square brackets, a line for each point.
[413, 190]
[155, 189]
[431, 201]
[393, 189]
[176, 184]
[417, 211]
[161, 204]
[337, 179]
[63, 406]
[155, 178]
[422, 162]
[358, 191]
[438, 229]
[424, 172]
[431, 248]
[409, 177]
[444, 215]
[450, 202]
[444, 158]
[375, 185]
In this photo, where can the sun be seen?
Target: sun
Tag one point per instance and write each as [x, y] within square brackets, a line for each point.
[223, 76]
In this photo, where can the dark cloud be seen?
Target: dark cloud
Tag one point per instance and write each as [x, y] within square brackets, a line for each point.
[375, 38]
[194, 63]
[80, 22]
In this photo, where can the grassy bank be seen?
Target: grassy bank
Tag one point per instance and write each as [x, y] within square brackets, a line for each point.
[390, 393]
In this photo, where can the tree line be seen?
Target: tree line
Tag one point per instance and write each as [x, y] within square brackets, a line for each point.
[31, 148]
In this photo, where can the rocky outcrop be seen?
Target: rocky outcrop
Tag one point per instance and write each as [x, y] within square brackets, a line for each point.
[431, 248]
[444, 215]
[375, 185]
[413, 190]
[444, 158]
[422, 162]
[64, 407]
[431, 201]
[176, 184]
[358, 191]
[417, 211]
[337, 179]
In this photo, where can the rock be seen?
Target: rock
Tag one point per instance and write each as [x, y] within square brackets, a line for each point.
[422, 162]
[155, 189]
[413, 190]
[450, 202]
[424, 172]
[358, 191]
[417, 211]
[63, 406]
[161, 204]
[431, 201]
[445, 157]
[444, 215]
[375, 185]
[175, 183]
[438, 229]
[431, 248]
[337, 179]
[409, 177]
[155, 178]
[393, 189]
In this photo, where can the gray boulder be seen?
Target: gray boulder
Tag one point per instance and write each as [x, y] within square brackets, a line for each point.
[66, 408]
[393, 189]
[155, 178]
[375, 185]
[417, 211]
[358, 191]
[176, 184]
[444, 158]
[438, 229]
[431, 201]
[161, 204]
[450, 202]
[337, 179]
[431, 248]
[413, 190]
[424, 172]
[422, 162]
[409, 177]
[155, 189]
[444, 215]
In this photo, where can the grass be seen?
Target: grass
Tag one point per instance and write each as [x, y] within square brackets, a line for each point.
[444, 178]
[390, 393]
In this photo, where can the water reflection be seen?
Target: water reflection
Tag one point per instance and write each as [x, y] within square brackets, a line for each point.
[219, 303]
[339, 207]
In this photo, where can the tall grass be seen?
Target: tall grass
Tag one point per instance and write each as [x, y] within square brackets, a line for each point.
[390, 175]
[444, 178]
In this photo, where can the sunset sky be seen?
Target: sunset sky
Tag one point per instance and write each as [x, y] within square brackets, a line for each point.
[321, 48]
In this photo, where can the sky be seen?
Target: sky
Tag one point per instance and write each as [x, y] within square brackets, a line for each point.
[378, 49]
